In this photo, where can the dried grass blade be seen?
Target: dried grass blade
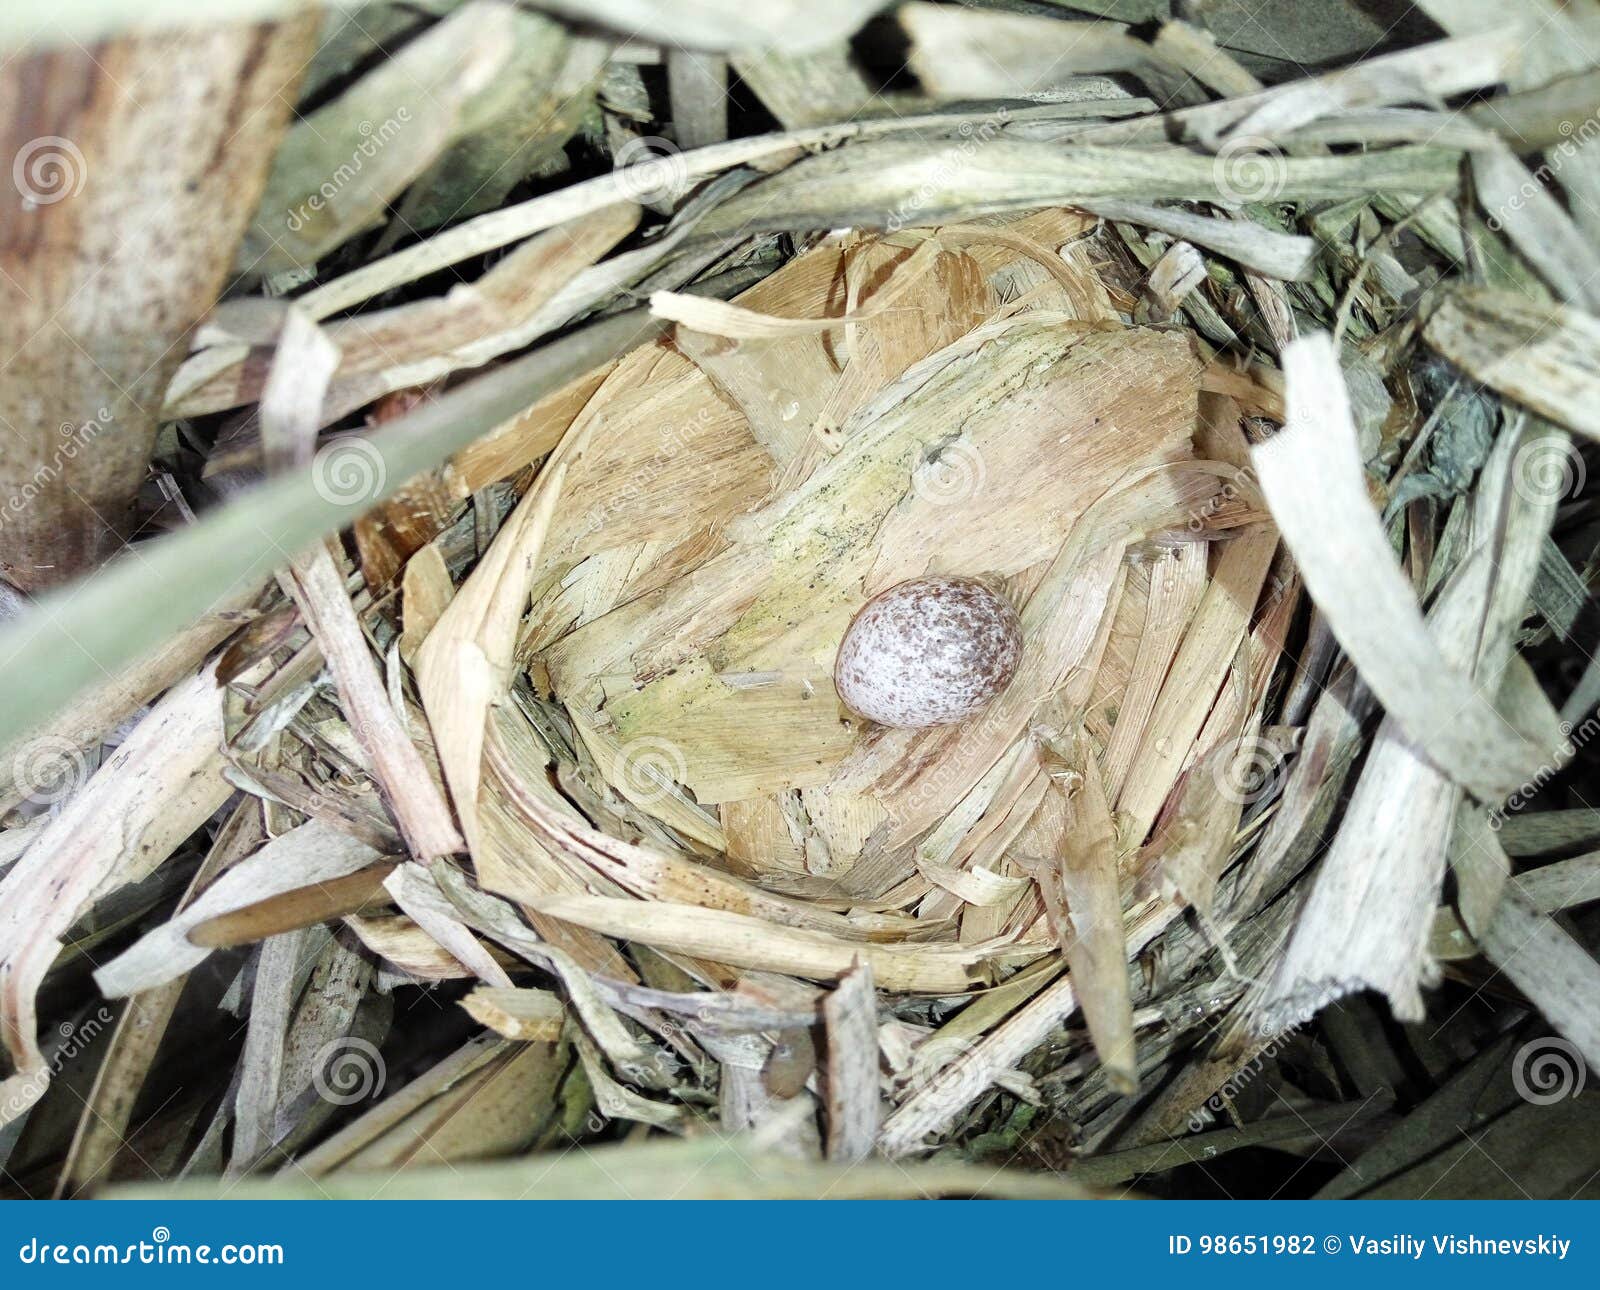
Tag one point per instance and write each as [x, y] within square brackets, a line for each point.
[1277, 255]
[721, 26]
[1177, 583]
[1311, 476]
[107, 272]
[875, 184]
[618, 1102]
[496, 1110]
[1367, 919]
[277, 982]
[528, 1016]
[1197, 52]
[495, 229]
[1537, 225]
[1328, 752]
[496, 918]
[1552, 968]
[850, 1018]
[418, 895]
[1540, 354]
[412, 104]
[975, 886]
[1562, 885]
[964, 54]
[743, 941]
[709, 1167]
[159, 786]
[99, 710]
[1504, 916]
[658, 875]
[451, 1072]
[934, 1107]
[421, 341]
[291, 408]
[1095, 946]
[1539, 833]
[306, 856]
[332, 1020]
[735, 322]
[103, 1128]
[1438, 69]
[464, 666]
[1210, 645]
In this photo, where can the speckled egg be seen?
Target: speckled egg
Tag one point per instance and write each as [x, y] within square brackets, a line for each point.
[927, 652]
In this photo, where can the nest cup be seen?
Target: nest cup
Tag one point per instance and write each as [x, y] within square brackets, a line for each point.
[973, 401]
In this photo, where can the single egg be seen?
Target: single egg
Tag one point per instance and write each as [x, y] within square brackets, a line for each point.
[927, 652]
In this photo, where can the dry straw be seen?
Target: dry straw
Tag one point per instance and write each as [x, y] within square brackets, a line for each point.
[1265, 436]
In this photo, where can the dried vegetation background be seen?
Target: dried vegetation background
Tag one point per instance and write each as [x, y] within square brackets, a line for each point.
[445, 441]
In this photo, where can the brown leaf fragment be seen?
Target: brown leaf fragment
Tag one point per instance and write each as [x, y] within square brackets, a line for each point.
[109, 260]
[355, 893]
[400, 940]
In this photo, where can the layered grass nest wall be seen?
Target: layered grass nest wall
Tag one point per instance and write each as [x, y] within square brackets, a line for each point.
[441, 767]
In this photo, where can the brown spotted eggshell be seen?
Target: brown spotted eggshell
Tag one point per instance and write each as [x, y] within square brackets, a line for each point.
[927, 652]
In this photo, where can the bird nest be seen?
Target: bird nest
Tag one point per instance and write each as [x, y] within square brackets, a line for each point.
[606, 792]
[633, 699]
[453, 768]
